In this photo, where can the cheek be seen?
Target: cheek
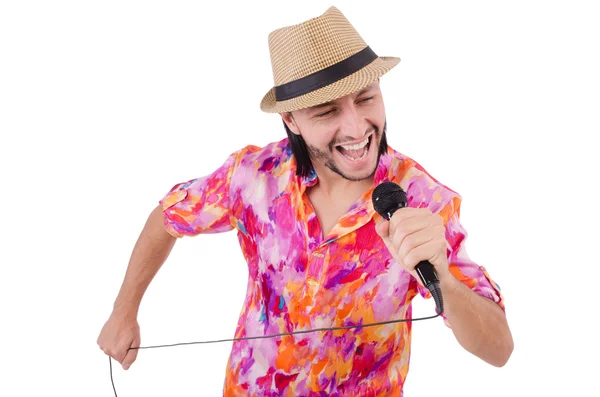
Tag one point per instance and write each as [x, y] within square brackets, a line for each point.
[319, 138]
[378, 116]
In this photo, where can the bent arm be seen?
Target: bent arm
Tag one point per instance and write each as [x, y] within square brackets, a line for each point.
[479, 324]
[149, 253]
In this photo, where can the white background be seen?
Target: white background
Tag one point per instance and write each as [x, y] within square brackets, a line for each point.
[104, 106]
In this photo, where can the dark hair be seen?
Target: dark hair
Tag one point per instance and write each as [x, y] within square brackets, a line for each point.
[300, 150]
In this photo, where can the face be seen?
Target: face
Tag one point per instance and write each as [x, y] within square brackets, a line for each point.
[343, 136]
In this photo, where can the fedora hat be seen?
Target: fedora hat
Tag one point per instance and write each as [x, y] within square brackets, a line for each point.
[318, 61]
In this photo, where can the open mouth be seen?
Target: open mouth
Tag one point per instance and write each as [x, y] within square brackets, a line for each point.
[357, 151]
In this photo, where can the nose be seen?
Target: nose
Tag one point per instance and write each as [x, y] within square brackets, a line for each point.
[352, 124]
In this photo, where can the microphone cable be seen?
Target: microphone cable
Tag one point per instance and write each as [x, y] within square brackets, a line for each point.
[270, 336]
[387, 198]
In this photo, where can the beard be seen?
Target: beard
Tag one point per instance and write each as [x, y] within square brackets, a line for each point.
[326, 156]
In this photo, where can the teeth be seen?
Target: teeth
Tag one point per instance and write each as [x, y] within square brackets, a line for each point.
[360, 158]
[357, 146]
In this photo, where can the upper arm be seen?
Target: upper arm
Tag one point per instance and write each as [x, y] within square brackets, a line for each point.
[200, 205]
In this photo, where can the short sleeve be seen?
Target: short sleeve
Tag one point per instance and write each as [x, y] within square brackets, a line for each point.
[461, 266]
[200, 205]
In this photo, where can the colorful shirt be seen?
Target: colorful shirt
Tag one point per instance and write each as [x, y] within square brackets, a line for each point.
[299, 279]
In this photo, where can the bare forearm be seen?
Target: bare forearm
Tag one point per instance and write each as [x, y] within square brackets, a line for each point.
[478, 324]
[149, 253]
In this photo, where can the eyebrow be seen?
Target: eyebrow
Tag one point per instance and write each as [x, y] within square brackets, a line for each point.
[322, 105]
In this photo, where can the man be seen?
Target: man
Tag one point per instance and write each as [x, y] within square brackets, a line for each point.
[318, 255]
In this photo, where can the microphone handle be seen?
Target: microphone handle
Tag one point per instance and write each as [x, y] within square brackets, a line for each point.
[427, 274]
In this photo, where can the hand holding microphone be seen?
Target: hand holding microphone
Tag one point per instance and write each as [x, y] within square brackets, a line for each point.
[415, 237]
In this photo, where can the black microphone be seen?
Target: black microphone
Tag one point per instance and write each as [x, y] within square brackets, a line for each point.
[387, 198]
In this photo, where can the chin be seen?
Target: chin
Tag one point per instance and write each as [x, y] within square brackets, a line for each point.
[358, 176]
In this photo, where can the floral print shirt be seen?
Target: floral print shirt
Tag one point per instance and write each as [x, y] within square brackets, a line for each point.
[300, 279]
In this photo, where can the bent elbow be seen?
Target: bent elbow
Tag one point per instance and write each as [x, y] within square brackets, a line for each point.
[503, 354]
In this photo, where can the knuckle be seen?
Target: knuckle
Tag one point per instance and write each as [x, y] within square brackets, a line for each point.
[409, 242]
[401, 252]
[397, 237]
[409, 259]
[116, 355]
[401, 242]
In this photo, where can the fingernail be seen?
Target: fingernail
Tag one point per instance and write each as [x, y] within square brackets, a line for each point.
[126, 366]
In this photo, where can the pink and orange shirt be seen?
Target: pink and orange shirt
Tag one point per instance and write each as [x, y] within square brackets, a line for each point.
[299, 279]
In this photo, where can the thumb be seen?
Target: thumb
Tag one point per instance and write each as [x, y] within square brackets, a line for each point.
[383, 228]
[131, 354]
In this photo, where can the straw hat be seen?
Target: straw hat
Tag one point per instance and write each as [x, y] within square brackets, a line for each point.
[318, 61]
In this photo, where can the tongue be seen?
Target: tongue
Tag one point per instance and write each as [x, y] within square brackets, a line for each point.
[355, 154]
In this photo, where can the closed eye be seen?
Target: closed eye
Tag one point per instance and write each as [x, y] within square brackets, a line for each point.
[332, 110]
[324, 114]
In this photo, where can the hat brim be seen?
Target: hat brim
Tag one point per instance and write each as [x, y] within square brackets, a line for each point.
[352, 83]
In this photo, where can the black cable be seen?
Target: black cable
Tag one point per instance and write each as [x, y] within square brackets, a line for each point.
[111, 376]
[436, 292]
[271, 336]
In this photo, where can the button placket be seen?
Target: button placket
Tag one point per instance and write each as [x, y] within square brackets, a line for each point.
[316, 273]
[315, 264]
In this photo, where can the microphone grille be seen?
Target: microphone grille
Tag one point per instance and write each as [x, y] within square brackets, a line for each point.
[387, 197]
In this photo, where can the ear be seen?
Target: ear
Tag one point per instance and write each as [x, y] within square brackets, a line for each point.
[288, 119]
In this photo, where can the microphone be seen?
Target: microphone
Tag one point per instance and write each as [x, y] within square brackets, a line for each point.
[387, 198]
